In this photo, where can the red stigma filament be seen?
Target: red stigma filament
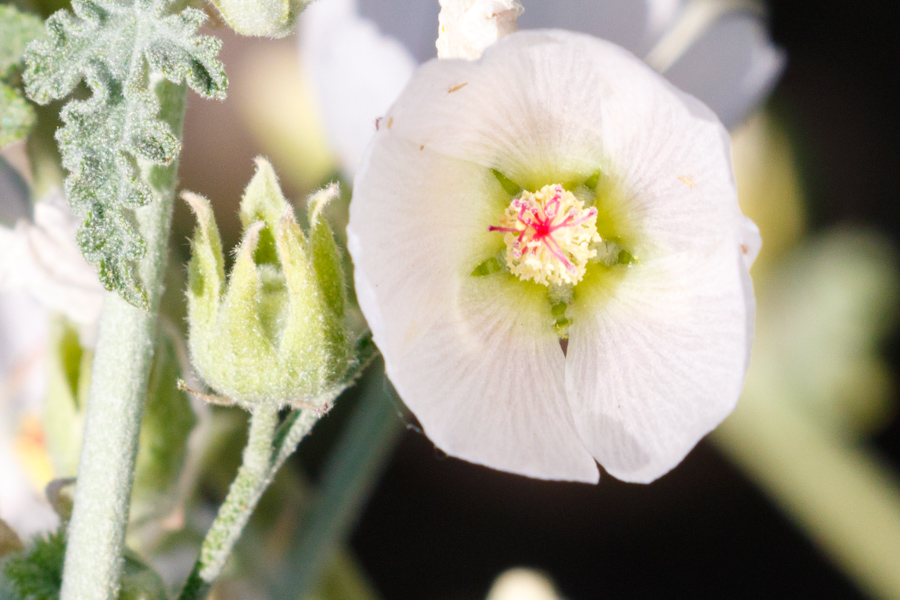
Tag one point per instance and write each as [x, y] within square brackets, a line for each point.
[536, 224]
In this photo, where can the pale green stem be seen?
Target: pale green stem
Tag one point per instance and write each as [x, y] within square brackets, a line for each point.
[96, 535]
[267, 450]
[247, 488]
[349, 477]
[842, 494]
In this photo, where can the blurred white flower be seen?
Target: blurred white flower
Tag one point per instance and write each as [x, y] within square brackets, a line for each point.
[361, 53]
[557, 189]
[41, 272]
[467, 27]
[523, 584]
[23, 338]
[43, 259]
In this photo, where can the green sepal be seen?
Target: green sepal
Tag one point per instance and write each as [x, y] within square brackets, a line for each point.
[261, 18]
[328, 266]
[278, 335]
[206, 270]
[240, 337]
[308, 343]
[325, 254]
[115, 48]
[264, 201]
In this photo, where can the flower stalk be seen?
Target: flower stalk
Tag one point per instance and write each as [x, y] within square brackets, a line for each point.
[125, 347]
[269, 445]
[252, 480]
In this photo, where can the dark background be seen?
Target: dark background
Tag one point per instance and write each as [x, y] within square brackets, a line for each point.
[439, 528]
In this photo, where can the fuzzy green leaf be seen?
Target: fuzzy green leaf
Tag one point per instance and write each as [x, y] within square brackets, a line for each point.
[16, 30]
[115, 48]
[16, 116]
[37, 573]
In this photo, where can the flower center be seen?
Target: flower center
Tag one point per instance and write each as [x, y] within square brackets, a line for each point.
[548, 235]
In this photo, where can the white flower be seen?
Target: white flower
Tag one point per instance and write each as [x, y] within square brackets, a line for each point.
[361, 53]
[41, 271]
[467, 27]
[43, 259]
[658, 326]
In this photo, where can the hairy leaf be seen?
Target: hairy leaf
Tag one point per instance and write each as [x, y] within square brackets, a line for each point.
[36, 574]
[117, 49]
[16, 30]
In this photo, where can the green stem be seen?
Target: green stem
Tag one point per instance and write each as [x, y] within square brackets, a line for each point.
[247, 488]
[274, 445]
[350, 475]
[96, 535]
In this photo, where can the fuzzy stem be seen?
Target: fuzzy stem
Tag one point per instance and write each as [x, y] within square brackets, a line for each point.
[247, 488]
[96, 535]
[277, 445]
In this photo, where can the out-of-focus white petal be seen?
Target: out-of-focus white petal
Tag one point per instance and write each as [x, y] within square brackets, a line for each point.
[633, 24]
[20, 506]
[523, 584]
[467, 27]
[751, 242]
[23, 334]
[665, 149]
[731, 66]
[357, 72]
[23, 339]
[474, 358]
[657, 359]
[43, 259]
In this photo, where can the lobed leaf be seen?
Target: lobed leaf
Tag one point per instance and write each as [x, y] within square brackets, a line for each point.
[16, 30]
[116, 48]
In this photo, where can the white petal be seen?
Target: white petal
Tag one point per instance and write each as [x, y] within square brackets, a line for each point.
[43, 259]
[731, 67]
[23, 340]
[544, 106]
[20, 506]
[633, 24]
[657, 361]
[357, 73]
[475, 359]
[467, 27]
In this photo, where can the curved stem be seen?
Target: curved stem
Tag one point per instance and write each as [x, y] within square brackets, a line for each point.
[252, 480]
[96, 534]
[268, 446]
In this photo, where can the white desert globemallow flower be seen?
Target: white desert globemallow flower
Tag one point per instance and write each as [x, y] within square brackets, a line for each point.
[41, 272]
[550, 253]
[359, 54]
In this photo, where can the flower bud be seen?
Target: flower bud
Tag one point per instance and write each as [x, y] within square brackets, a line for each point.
[275, 334]
[261, 18]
